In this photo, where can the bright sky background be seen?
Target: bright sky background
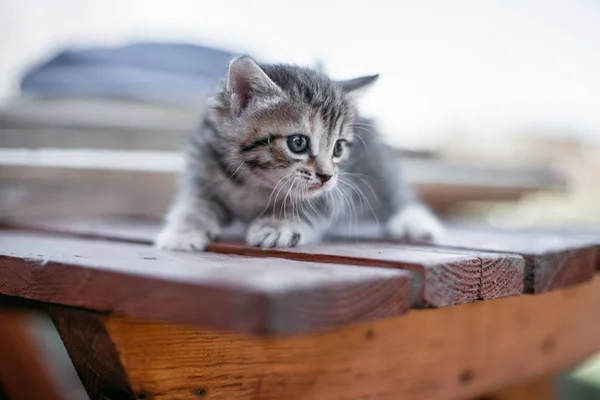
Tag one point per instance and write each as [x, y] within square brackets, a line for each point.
[488, 67]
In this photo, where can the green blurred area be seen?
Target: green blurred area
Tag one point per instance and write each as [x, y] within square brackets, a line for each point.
[583, 383]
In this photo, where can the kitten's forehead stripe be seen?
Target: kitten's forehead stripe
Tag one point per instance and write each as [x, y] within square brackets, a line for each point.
[317, 136]
[309, 87]
[312, 122]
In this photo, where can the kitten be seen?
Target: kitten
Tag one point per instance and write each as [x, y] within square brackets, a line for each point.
[281, 148]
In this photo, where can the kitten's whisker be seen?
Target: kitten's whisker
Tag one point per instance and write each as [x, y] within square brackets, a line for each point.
[362, 140]
[284, 204]
[271, 196]
[350, 212]
[277, 196]
[228, 179]
[359, 176]
[365, 127]
[360, 193]
[313, 208]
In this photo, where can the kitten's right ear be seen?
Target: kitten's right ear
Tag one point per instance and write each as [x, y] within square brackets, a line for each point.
[357, 85]
[246, 79]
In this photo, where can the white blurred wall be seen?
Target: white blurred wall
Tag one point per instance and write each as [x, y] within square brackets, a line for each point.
[447, 66]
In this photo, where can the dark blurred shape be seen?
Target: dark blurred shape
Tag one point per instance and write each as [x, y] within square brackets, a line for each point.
[164, 72]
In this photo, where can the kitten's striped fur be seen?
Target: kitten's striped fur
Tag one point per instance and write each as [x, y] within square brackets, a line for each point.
[242, 166]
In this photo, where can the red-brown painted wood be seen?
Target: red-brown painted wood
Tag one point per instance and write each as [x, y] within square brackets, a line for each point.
[502, 274]
[451, 276]
[552, 260]
[586, 233]
[223, 291]
[555, 258]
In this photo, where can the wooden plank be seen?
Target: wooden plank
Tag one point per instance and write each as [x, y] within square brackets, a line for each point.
[41, 176]
[247, 294]
[451, 276]
[552, 260]
[502, 274]
[134, 230]
[115, 138]
[451, 353]
[588, 233]
[92, 352]
[78, 199]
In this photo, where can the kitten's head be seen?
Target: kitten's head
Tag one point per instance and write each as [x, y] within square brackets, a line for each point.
[287, 126]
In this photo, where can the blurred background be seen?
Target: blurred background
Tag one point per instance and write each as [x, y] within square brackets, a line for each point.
[493, 104]
[493, 107]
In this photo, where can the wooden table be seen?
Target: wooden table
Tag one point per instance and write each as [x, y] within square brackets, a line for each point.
[484, 313]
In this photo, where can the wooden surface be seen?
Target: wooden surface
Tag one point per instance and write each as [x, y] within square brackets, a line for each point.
[588, 233]
[226, 291]
[92, 352]
[451, 353]
[448, 277]
[552, 260]
[447, 353]
[445, 276]
[459, 272]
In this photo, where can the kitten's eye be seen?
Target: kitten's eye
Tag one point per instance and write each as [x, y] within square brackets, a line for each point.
[298, 143]
[338, 149]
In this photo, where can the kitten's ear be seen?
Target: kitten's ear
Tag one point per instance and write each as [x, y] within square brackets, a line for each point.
[246, 80]
[357, 85]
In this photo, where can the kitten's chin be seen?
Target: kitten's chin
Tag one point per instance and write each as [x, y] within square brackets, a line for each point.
[316, 191]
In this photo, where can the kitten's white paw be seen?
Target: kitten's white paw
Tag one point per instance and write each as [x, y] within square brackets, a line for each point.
[183, 240]
[415, 222]
[266, 233]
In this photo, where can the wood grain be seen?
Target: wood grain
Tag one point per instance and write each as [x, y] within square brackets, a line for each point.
[92, 352]
[589, 233]
[452, 276]
[502, 274]
[449, 277]
[552, 260]
[450, 353]
[246, 294]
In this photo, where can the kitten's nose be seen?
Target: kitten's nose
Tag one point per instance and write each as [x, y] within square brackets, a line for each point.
[323, 177]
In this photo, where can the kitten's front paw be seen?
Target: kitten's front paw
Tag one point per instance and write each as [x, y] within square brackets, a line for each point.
[415, 222]
[183, 240]
[267, 233]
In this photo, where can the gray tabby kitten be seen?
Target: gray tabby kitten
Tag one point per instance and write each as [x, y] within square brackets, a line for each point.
[282, 150]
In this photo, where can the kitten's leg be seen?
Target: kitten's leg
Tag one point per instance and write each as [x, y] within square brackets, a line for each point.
[191, 224]
[416, 222]
[269, 231]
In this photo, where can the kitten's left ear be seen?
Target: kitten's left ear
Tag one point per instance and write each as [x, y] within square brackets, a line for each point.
[357, 85]
[246, 80]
